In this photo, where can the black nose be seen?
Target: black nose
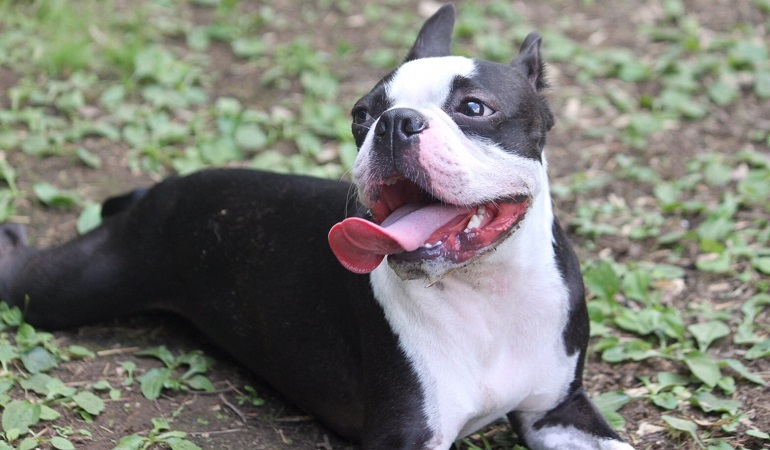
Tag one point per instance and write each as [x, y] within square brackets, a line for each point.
[400, 124]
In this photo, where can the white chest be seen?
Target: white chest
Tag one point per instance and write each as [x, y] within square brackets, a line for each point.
[484, 341]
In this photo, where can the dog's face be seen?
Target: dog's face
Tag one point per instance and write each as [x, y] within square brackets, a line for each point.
[450, 154]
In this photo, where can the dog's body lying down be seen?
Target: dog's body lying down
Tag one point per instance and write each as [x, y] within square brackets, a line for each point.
[462, 301]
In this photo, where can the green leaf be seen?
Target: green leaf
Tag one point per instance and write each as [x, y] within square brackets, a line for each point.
[714, 262]
[38, 360]
[113, 96]
[38, 146]
[666, 400]
[151, 383]
[90, 159]
[130, 442]
[8, 174]
[20, 415]
[681, 424]
[636, 285]
[129, 367]
[29, 443]
[755, 187]
[89, 402]
[160, 423]
[708, 402]
[172, 434]
[727, 385]
[602, 280]
[48, 413]
[703, 366]
[723, 92]
[219, 151]
[707, 332]
[200, 383]
[37, 383]
[197, 362]
[717, 173]
[248, 47]
[6, 384]
[8, 353]
[250, 137]
[181, 444]
[683, 103]
[743, 371]
[762, 264]
[90, 217]
[60, 443]
[762, 84]
[78, 351]
[27, 337]
[634, 350]
[51, 196]
[611, 401]
[12, 317]
[102, 385]
[758, 434]
[162, 353]
[759, 351]
[57, 388]
[687, 426]
[668, 379]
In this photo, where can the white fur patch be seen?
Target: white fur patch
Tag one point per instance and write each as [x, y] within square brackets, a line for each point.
[570, 438]
[426, 82]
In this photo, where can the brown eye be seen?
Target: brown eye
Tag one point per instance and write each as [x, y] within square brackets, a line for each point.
[475, 108]
[361, 116]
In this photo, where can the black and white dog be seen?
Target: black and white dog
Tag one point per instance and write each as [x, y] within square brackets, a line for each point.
[460, 300]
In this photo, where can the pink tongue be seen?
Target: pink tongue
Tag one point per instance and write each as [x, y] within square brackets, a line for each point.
[361, 245]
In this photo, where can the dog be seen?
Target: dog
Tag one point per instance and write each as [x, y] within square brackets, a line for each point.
[445, 298]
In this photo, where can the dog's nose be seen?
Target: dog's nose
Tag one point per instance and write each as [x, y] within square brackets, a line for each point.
[400, 124]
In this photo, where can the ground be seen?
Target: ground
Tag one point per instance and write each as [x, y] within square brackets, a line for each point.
[659, 162]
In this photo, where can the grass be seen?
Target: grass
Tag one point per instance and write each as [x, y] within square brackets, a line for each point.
[670, 217]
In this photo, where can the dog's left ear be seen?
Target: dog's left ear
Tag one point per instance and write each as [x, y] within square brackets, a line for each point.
[529, 61]
[435, 37]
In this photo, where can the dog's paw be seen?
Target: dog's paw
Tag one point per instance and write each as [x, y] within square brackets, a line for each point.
[615, 445]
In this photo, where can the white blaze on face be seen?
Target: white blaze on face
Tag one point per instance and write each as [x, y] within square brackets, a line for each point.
[426, 83]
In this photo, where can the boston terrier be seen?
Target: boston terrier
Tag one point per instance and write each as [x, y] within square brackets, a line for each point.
[445, 298]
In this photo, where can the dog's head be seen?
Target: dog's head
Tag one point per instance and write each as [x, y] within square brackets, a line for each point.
[450, 156]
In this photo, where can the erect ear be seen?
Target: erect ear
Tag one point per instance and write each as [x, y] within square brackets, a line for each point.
[529, 61]
[435, 37]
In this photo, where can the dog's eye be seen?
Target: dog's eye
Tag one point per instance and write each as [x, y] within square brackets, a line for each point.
[361, 116]
[475, 108]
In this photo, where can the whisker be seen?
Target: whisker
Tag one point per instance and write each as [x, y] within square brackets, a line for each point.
[351, 197]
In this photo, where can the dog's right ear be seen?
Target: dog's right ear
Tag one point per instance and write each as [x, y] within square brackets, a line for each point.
[435, 37]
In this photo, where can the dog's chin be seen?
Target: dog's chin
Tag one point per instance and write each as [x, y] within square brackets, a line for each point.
[435, 263]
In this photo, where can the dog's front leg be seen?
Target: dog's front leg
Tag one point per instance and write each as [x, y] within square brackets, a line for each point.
[575, 424]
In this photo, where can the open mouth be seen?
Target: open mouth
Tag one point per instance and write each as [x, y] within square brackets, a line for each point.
[409, 224]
